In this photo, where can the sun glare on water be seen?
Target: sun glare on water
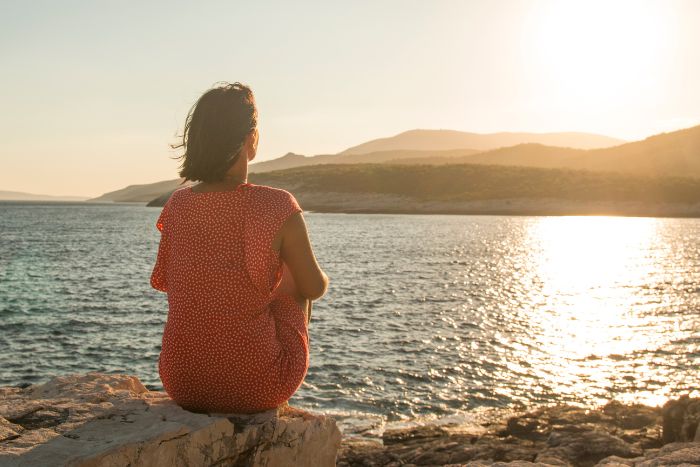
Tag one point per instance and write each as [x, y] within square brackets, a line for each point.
[588, 316]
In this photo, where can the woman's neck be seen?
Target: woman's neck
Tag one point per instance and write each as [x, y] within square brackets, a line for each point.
[236, 175]
[229, 183]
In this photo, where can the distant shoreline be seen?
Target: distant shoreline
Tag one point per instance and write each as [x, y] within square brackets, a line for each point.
[510, 213]
[372, 203]
[67, 201]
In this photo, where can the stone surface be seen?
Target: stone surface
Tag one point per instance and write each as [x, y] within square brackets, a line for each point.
[680, 420]
[613, 435]
[113, 420]
[678, 454]
[586, 447]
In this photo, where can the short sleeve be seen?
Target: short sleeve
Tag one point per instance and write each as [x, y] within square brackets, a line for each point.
[291, 206]
[163, 217]
[159, 273]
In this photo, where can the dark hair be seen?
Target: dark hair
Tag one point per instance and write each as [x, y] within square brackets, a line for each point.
[215, 130]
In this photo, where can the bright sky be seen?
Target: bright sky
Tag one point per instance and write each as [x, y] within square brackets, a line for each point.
[93, 92]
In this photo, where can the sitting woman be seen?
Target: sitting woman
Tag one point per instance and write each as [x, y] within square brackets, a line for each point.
[238, 268]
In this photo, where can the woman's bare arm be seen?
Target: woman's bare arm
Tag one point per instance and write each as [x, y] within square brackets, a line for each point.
[296, 252]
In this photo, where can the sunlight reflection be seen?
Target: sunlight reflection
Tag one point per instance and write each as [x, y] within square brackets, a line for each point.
[587, 272]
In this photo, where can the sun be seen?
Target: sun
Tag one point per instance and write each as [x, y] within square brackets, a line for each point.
[588, 53]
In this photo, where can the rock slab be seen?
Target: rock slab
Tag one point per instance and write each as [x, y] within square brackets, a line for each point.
[561, 435]
[113, 420]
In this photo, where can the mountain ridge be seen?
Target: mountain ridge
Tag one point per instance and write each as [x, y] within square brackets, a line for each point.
[8, 195]
[666, 154]
[425, 139]
[682, 146]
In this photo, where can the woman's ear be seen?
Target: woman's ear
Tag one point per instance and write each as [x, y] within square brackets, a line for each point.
[252, 143]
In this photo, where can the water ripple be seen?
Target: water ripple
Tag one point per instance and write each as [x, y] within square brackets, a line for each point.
[424, 315]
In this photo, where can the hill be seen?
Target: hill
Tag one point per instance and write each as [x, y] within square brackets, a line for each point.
[140, 193]
[466, 182]
[414, 146]
[526, 155]
[667, 154]
[483, 189]
[287, 161]
[421, 146]
[147, 192]
[22, 196]
[436, 140]
[290, 160]
[675, 153]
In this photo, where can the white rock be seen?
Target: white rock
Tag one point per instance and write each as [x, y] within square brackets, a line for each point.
[113, 420]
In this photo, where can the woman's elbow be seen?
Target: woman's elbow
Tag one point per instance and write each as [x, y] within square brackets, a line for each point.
[318, 289]
[158, 282]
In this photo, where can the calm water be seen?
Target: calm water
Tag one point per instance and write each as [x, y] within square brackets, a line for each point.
[424, 315]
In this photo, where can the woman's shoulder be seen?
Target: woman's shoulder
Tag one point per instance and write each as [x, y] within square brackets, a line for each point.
[175, 197]
[170, 207]
[274, 199]
[182, 191]
[270, 193]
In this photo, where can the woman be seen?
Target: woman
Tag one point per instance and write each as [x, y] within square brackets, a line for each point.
[237, 265]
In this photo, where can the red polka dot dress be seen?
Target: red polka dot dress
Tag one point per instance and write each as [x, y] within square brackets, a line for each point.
[233, 343]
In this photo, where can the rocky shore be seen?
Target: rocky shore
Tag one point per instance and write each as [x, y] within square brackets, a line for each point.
[377, 203]
[563, 435]
[113, 420]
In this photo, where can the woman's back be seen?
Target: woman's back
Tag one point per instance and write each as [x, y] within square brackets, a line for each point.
[232, 342]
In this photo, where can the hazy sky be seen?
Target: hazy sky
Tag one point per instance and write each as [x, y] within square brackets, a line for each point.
[93, 92]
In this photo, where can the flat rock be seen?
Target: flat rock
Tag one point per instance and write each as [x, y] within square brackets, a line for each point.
[113, 420]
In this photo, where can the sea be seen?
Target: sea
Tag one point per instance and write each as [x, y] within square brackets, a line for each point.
[426, 316]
